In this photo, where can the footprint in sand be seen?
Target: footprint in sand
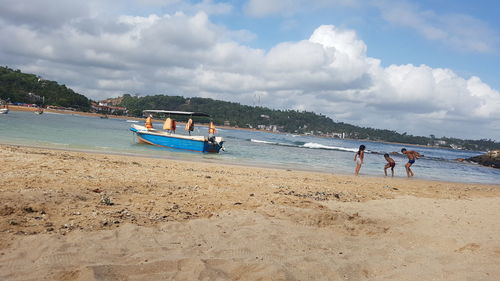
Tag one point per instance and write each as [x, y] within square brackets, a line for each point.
[468, 247]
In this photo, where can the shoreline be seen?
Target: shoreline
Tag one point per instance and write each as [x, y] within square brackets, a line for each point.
[231, 163]
[70, 215]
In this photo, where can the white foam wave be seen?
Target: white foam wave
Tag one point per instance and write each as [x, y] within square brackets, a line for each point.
[321, 146]
[132, 121]
[311, 145]
[261, 141]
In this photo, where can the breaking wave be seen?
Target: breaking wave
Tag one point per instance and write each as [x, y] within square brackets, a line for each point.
[310, 145]
[321, 146]
[261, 141]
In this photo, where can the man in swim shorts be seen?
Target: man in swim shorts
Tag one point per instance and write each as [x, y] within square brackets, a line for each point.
[412, 156]
[390, 164]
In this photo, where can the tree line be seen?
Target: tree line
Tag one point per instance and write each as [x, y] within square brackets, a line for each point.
[18, 87]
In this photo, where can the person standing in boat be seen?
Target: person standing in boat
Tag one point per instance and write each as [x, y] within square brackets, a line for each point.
[211, 128]
[359, 158]
[149, 122]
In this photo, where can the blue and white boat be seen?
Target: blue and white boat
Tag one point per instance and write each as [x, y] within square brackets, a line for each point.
[4, 107]
[168, 138]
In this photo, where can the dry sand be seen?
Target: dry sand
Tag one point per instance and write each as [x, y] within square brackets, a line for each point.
[80, 216]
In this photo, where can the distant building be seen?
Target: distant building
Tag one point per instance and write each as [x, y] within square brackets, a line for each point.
[272, 128]
[59, 108]
[111, 102]
[227, 123]
[103, 107]
[338, 135]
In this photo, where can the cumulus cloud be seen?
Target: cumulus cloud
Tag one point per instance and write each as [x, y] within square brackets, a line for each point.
[189, 55]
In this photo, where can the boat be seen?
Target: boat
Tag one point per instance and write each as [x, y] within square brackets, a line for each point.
[169, 139]
[39, 110]
[4, 107]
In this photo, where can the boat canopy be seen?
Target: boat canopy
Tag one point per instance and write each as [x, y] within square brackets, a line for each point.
[185, 113]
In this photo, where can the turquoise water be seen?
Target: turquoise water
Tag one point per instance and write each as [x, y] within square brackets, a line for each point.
[242, 147]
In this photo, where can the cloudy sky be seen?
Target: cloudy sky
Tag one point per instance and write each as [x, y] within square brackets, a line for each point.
[421, 67]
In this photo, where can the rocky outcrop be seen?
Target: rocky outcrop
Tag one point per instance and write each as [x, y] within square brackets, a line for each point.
[491, 159]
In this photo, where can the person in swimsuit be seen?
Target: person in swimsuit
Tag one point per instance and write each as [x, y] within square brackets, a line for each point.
[358, 158]
[412, 156]
[390, 164]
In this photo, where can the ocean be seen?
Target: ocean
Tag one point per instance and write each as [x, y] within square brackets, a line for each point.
[242, 147]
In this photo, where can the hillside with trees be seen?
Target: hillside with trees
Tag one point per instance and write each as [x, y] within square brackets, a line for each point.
[18, 87]
[290, 121]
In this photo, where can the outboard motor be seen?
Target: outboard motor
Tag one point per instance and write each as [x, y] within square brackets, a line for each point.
[211, 139]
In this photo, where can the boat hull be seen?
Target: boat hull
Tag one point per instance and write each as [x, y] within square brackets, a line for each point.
[4, 110]
[158, 138]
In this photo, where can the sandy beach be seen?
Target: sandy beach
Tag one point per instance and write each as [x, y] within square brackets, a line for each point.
[68, 215]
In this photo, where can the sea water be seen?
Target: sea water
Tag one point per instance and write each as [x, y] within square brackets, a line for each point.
[255, 148]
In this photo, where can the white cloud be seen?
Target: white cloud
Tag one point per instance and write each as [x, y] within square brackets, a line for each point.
[462, 32]
[264, 8]
[42, 14]
[183, 54]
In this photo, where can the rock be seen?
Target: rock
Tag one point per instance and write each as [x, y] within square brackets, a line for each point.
[105, 200]
[29, 210]
[490, 159]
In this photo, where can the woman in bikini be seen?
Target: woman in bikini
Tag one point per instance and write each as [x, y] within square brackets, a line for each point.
[358, 158]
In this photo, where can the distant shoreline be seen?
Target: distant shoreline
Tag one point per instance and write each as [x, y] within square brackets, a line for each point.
[70, 112]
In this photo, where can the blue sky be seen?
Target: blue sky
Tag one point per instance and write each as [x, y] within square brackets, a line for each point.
[422, 67]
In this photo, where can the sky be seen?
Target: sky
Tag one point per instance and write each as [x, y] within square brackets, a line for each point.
[427, 67]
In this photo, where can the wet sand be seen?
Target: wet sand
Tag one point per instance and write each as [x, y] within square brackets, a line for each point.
[78, 216]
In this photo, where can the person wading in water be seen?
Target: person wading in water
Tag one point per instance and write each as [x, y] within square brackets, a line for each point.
[358, 158]
[412, 156]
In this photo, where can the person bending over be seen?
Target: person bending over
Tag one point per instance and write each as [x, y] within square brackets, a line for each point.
[390, 164]
[412, 156]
